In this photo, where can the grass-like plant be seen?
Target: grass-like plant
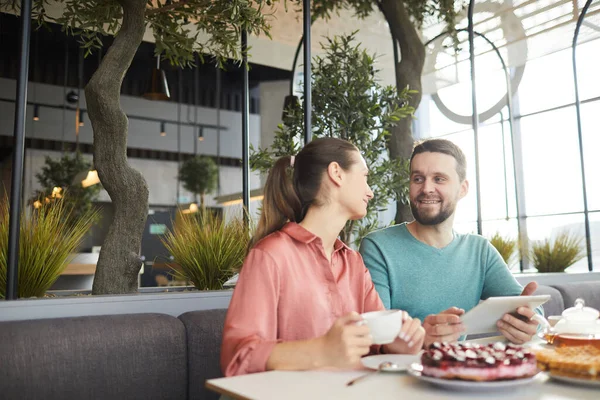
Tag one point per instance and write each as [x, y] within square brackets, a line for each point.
[505, 245]
[207, 249]
[557, 255]
[48, 236]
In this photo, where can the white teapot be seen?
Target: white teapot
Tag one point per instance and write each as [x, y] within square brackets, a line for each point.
[579, 319]
[577, 323]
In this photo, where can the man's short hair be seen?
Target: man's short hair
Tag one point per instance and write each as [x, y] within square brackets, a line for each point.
[446, 147]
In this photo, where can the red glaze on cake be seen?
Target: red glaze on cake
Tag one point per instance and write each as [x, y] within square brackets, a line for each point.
[475, 362]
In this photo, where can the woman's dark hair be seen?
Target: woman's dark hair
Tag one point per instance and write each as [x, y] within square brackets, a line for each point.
[289, 192]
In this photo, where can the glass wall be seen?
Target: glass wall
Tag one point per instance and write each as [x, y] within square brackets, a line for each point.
[546, 133]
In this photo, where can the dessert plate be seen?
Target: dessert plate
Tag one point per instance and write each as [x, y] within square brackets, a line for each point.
[400, 361]
[575, 381]
[415, 370]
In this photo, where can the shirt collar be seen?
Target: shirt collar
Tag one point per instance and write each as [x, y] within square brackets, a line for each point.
[301, 234]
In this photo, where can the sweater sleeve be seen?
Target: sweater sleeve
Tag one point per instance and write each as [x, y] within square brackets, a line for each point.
[375, 263]
[499, 281]
[250, 330]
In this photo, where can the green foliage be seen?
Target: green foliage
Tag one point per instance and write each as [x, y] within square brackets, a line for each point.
[61, 173]
[349, 103]
[176, 24]
[207, 249]
[556, 256]
[506, 246]
[199, 175]
[44, 245]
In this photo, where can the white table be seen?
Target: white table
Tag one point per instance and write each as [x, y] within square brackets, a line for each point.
[316, 385]
[329, 385]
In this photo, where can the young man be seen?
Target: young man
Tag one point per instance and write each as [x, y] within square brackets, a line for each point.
[424, 267]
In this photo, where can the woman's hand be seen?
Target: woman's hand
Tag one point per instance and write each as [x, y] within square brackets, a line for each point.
[345, 342]
[411, 337]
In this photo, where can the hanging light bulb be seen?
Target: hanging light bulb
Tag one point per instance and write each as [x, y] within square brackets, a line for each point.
[163, 131]
[36, 112]
[91, 179]
[200, 134]
[159, 88]
[81, 122]
[56, 192]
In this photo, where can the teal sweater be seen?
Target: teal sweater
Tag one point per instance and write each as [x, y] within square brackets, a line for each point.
[421, 279]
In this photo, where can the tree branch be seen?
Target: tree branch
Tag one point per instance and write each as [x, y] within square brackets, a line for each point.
[404, 31]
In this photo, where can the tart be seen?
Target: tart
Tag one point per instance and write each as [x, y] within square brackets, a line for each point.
[475, 362]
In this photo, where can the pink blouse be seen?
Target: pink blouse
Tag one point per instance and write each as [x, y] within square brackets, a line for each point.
[287, 290]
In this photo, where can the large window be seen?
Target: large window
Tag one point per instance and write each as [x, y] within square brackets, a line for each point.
[590, 123]
[551, 166]
[546, 130]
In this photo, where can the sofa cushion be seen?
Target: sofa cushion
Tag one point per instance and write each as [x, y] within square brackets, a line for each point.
[589, 291]
[136, 356]
[555, 305]
[204, 332]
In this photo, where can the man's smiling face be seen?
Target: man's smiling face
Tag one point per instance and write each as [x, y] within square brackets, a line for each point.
[435, 187]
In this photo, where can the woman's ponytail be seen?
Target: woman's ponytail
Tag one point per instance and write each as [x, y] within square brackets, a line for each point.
[280, 203]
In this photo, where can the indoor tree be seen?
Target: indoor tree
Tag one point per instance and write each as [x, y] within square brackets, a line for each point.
[349, 103]
[200, 176]
[176, 26]
[405, 18]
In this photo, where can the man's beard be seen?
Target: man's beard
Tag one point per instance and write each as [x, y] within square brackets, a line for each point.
[435, 219]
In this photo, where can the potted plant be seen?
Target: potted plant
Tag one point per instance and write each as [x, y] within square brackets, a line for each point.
[48, 236]
[207, 250]
[350, 103]
[506, 246]
[558, 254]
[199, 175]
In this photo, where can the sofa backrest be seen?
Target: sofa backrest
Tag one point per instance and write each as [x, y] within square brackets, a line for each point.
[137, 356]
[555, 305]
[204, 331]
[589, 291]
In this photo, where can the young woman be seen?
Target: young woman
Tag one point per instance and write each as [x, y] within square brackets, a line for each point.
[301, 290]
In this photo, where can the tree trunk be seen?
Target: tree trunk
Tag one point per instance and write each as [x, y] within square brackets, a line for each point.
[119, 261]
[408, 73]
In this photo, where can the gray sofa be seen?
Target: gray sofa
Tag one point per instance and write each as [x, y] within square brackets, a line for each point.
[141, 356]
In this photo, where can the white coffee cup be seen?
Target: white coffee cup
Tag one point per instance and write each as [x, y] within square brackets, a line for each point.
[384, 326]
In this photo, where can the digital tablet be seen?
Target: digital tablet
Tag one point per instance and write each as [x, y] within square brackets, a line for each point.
[483, 317]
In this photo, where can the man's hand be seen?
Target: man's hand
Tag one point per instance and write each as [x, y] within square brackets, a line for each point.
[444, 327]
[520, 328]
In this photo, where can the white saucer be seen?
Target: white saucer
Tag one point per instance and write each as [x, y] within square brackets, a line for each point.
[402, 361]
[456, 384]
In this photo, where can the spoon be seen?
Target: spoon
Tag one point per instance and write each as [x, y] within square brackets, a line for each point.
[380, 367]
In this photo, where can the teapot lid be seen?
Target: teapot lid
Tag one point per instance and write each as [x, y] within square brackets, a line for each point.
[580, 313]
